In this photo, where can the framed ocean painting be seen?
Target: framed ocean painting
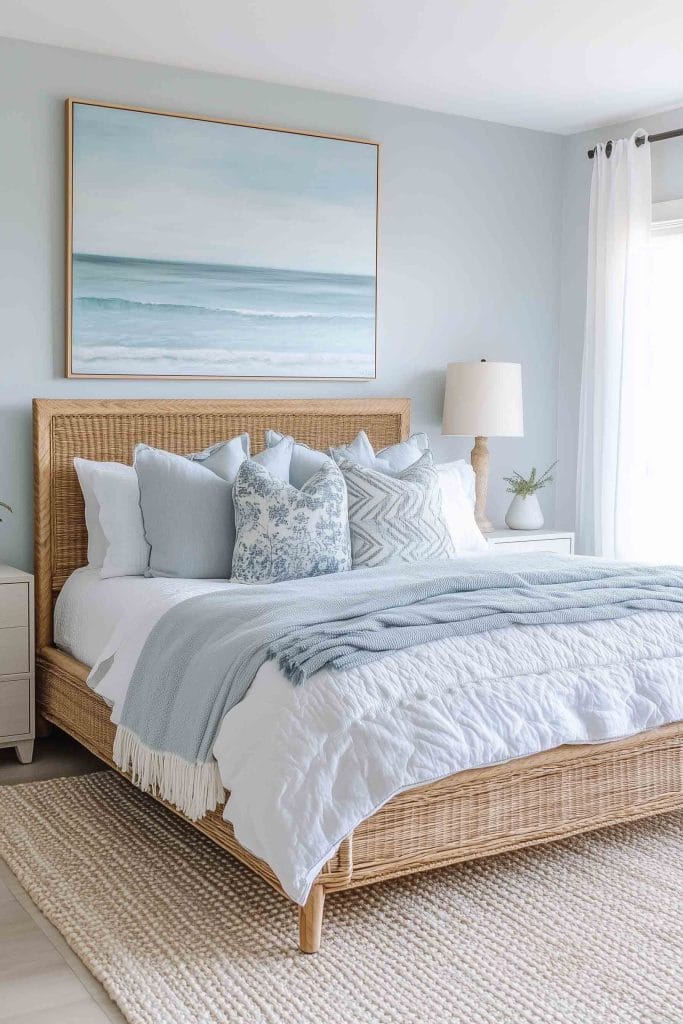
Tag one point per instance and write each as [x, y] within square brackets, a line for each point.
[205, 248]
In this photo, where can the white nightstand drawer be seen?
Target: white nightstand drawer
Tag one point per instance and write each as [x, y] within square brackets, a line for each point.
[14, 651]
[560, 545]
[531, 542]
[13, 605]
[17, 689]
[15, 706]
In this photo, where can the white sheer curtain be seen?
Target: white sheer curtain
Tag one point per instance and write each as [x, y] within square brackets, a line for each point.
[612, 494]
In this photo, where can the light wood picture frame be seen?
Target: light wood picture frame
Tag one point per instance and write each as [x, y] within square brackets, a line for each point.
[202, 248]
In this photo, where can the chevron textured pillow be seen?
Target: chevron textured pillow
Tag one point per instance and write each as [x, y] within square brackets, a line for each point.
[284, 533]
[396, 518]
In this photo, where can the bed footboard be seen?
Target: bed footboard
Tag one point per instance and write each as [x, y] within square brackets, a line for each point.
[476, 813]
[64, 699]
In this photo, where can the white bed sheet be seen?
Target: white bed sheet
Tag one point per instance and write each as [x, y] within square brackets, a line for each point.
[89, 610]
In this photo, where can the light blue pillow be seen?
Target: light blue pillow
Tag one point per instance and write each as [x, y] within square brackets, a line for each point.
[187, 505]
[224, 458]
[187, 514]
[405, 453]
[277, 460]
[286, 533]
[391, 460]
[305, 461]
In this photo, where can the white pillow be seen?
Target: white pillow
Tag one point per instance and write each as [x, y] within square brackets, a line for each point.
[97, 542]
[467, 477]
[457, 507]
[118, 495]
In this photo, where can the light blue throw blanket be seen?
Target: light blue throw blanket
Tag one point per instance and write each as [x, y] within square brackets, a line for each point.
[203, 654]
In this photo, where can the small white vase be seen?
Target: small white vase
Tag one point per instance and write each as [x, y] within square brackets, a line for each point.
[524, 513]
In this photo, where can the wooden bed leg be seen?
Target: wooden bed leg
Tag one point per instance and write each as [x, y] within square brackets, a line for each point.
[311, 920]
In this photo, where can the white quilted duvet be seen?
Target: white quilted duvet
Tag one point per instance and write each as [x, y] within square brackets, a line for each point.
[304, 765]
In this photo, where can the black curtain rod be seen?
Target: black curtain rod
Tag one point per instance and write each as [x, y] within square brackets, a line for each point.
[639, 142]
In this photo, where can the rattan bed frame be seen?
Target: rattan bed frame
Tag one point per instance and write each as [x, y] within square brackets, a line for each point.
[471, 814]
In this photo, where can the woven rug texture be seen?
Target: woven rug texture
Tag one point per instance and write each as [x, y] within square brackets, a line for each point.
[584, 931]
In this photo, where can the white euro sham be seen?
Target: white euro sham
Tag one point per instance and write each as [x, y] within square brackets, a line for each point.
[457, 507]
[97, 542]
[118, 496]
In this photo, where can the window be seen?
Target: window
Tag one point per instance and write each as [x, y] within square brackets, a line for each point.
[663, 407]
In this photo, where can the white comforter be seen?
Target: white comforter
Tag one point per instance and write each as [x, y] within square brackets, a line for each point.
[304, 765]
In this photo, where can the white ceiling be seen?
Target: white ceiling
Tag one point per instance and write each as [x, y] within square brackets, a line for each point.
[557, 65]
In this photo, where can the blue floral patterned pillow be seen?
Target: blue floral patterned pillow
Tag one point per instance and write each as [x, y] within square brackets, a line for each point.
[284, 533]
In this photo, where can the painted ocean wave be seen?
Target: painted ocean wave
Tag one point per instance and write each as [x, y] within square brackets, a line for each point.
[136, 316]
[118, 359]
[127, 305]
[213, 355]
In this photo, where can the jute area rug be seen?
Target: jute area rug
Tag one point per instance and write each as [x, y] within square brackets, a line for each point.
[583, 931]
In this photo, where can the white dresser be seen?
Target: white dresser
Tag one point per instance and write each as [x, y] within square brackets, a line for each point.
[526, 541]
[17, 670]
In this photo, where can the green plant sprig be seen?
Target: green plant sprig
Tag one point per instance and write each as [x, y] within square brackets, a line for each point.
[524, 486]
[3, 504]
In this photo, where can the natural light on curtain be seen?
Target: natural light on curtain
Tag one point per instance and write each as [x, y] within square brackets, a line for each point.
[630, 487]
[663, 541]
[613, 500]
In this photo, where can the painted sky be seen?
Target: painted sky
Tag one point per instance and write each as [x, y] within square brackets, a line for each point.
[159, 187]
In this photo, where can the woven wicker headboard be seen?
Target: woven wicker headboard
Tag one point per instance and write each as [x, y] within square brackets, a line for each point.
[108, 429]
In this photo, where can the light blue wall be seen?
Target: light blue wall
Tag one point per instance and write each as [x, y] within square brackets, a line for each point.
[469, 251]
[667, 183]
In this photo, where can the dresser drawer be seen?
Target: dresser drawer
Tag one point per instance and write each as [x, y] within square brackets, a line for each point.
[560, 545]
[13, 604]
[15, 706]
[14, 650]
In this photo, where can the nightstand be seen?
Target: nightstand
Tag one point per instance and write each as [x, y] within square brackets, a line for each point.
[17, 687]
[527, 541]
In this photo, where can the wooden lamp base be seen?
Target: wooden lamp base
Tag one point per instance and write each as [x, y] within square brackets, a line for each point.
[479, 458]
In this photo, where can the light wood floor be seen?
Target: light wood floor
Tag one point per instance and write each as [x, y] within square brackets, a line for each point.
[41, 980]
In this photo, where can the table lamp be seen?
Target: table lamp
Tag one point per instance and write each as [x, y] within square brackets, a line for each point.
[483, 400]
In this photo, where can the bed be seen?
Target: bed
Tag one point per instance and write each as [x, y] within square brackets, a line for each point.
[474, 813]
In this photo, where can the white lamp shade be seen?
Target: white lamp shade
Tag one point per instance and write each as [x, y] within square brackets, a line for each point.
[483, 400]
